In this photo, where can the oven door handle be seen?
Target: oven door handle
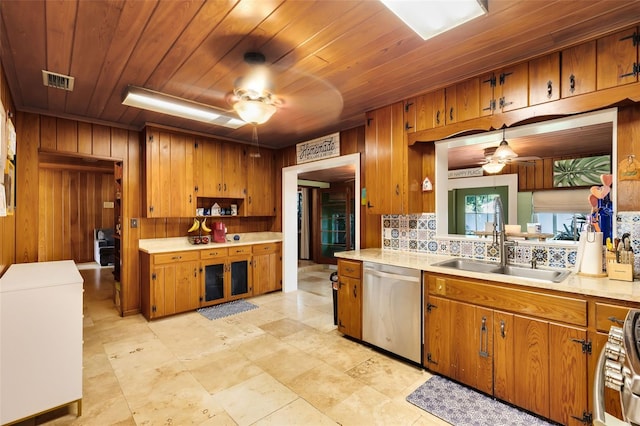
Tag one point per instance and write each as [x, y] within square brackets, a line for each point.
[598, 391]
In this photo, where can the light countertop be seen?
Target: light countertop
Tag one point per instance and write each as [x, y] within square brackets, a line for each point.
[578, 284]
[166, 245]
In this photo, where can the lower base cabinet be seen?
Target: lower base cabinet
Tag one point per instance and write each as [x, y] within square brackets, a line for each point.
[537, 364]
[350, 298]
[184, 281]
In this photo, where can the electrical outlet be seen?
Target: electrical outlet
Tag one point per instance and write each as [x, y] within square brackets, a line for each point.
[134, 223]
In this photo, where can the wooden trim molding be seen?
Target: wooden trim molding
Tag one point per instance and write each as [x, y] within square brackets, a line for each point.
[600, 99]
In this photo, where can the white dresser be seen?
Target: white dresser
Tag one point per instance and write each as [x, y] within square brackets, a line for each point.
[40, 339]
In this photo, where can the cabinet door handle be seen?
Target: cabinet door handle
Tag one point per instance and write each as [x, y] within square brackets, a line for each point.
[616, 320]
[225, 187]
[451, 113]
[572, 83]
[176, 258]
[549, 88]
[438, 117]
[219, 187]
[249, 199]
[397, 189]
[502, 329]
[189, 198]
[484, 339]
[355, 292]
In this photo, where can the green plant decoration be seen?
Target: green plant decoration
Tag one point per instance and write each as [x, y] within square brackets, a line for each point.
[580, 171]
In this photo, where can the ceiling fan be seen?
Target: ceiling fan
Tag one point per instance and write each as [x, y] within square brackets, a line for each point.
[495, 158]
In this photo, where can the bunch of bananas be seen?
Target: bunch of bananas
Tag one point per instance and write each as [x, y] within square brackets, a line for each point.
[195, 226]
[204, 226]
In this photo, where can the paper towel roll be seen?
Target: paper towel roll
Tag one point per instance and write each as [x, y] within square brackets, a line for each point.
[592, 254]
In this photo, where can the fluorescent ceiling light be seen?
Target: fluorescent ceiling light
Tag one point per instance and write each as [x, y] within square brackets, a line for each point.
[428, 18]
[172, 105]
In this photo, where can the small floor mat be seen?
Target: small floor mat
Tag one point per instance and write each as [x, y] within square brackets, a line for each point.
[462, 406]
[225, 309]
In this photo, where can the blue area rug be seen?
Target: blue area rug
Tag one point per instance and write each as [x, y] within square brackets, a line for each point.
[462, 406]
[225, 309]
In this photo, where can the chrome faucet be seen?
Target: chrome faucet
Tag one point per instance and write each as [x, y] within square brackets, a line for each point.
[499, 234]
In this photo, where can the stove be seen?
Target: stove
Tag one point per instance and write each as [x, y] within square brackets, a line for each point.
[619, 369]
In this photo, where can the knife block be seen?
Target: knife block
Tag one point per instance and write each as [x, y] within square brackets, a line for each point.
[619, 271]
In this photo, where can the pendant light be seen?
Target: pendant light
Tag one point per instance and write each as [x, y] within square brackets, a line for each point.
[504, 151]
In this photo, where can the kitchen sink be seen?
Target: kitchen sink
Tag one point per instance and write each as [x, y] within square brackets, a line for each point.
[470, 265]
[549, 275]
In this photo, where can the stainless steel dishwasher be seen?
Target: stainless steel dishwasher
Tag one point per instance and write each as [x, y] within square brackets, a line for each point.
[392, 309]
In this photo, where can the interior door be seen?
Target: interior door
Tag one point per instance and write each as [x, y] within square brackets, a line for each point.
[336, 223]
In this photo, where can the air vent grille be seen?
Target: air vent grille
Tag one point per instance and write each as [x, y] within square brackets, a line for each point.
[57, 81]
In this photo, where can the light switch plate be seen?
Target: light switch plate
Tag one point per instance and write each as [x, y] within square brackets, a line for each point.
[134, 223]
[107, 205]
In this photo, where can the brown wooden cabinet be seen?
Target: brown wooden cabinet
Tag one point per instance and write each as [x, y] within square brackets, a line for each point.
[392, 176]
[430, 110]
[483, 335]
[350, 298]
[226, 274]
[578, 69]
[220, 169]
[267, 265]
[260, 197]
[168, 174]
[462, 101]
[617, 59]
[544, 79]
[172, 283]
[505, 89]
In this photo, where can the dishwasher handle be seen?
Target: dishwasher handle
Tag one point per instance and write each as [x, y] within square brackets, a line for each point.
[391, 276]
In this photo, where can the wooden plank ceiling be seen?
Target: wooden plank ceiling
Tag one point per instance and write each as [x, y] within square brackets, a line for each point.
[331, 60]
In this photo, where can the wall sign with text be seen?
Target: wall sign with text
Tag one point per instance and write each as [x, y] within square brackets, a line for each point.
[318, 149]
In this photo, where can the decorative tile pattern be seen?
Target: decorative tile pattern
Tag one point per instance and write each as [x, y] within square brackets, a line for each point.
[417, 233]
[630, 222]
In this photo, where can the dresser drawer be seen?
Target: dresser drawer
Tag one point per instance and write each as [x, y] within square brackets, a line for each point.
[266, 248]
[608, 315]
[349, 268]
[181, 256]
[214, 252]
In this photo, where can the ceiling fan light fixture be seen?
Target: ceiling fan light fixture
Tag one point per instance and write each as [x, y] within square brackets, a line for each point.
[430, 18]
[254, 111]
[504, 151]
[151, 100]
[493, 167]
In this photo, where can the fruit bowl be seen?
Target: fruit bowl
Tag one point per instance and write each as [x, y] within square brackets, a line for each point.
[199, 239]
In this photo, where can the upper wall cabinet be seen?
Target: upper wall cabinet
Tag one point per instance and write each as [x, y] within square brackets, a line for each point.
[392, 176]
[260, 199]
[462, 101]
[425, 111]
[384, 159]
[504, 90]
[544, 79]
[220, 169]
[168, 174]
[578, 70]
[617, 59]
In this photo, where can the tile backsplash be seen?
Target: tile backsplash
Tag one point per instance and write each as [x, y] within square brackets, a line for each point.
[417, 233]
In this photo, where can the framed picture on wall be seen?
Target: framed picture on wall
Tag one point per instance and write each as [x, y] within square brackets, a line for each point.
[10, 187]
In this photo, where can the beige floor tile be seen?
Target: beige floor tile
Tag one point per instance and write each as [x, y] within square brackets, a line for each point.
[387, 375]
[283, 328]
[283, 363]
[254, 399]
[287, 363]
[298, 413]
[370, 407]
[222, 370]
[324, 387]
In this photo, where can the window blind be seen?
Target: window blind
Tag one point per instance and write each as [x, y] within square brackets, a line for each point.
[562, 201]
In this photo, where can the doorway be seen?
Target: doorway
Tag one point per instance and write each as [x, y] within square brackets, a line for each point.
[290, 212]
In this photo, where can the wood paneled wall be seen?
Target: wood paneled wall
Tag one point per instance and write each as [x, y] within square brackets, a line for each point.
[71, 207]
[628, 191]
[7, 223]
